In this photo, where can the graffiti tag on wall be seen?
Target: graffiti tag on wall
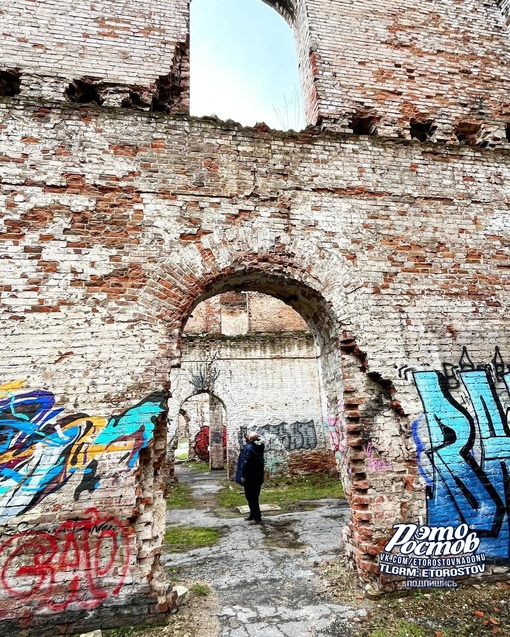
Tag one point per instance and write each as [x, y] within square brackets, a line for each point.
[463, 452]
[337, 429]
[201, 442]
[294, 437]
[82, 562]
[41, 449]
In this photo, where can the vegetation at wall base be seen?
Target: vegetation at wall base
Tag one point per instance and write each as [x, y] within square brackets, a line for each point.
[285, 491]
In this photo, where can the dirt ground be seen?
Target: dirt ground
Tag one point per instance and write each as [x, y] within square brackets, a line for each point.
[472, 610]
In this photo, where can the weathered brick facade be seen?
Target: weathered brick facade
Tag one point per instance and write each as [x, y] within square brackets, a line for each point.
[117, 221]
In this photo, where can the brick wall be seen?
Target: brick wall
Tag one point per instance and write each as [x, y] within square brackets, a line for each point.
[265, 382]
[117, 223]
[125, 46]
[250, 311]
[399, 64]
[396, 249]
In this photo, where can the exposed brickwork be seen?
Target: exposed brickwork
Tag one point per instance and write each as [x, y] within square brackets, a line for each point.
[265, 382]
[55, 42]
[447, 62]
[260, 313]
[117, 223]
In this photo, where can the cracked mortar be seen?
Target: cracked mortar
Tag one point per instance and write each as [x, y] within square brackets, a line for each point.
[265, 578]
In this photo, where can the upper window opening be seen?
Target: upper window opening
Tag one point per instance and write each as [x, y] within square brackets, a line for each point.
[244, 64]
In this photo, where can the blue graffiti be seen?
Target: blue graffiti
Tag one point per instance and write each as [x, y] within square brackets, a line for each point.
[40, 450]
[464, 456]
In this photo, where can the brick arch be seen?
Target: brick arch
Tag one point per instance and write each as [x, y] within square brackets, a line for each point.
[287, 8]
[203, 434]
[305, 276]
[323, 290]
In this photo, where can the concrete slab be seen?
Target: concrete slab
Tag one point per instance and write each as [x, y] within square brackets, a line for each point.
[265, 577]
[263, 507]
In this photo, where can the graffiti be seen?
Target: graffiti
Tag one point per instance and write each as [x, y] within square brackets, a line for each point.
[465, 364]
[463, 453]
[293, 437]
[338, 436]
[276, 465]
[376, 464]
[81, 562]
[201, 442]
[41, 449]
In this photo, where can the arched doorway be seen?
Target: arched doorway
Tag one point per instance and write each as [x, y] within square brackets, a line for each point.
[359, 403]
[183, 440]
[207, 432]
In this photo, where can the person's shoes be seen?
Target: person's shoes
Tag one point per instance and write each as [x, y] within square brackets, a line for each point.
[255, 521]
[248, 519]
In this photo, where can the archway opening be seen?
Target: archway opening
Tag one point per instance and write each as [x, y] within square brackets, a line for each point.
[244, 64]
[259, 355]
[205, 439]
[358, 404]
[182, 451]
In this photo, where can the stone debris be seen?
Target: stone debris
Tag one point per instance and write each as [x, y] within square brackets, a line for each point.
[263, 507]
[182, 594]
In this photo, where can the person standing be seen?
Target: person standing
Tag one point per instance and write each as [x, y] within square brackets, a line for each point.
[250, 473]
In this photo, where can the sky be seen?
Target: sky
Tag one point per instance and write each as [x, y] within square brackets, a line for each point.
[243, 64]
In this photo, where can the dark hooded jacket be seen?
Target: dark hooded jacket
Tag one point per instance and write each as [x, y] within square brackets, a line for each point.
[250, 465]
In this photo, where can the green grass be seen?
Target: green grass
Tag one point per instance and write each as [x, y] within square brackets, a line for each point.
[401, 629]
[180, 497]
[198, 466]
[286, 491]
[202, 590]
[181, 538]
[182, 451]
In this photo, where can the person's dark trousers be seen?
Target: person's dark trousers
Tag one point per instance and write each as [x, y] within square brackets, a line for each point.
[252, 493]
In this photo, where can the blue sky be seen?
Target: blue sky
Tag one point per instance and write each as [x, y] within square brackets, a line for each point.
[243, 64]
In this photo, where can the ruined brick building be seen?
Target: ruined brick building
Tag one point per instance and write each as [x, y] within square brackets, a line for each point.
[249, 363]
[383, 224]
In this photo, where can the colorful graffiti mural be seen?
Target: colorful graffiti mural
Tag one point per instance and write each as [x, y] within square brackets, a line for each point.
[463, 452]
[202, 441]
[41, 449]
[80, 562]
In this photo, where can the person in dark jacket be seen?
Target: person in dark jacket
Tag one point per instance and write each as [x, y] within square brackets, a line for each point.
[250, 473]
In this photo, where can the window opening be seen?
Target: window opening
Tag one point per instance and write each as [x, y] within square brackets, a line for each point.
[244, 64]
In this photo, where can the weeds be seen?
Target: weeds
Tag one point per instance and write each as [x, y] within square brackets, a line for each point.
[202, 590]
[181, 538]
[286, 491]
[180, 497]
[198, 466]
[402, 629]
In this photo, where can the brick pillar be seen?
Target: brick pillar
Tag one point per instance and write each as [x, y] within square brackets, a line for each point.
[377, 491]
